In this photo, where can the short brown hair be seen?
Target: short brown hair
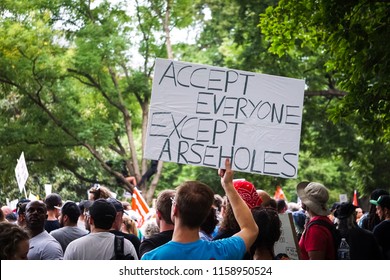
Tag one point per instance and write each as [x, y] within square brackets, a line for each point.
[194, 200]
[164, 205]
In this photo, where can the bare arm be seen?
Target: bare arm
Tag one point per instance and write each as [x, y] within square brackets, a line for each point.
[249, 229]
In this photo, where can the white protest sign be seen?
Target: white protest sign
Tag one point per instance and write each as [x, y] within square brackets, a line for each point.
[48, 188]
[343, 198]
[288, 241]
[202, 114]
[21, 172]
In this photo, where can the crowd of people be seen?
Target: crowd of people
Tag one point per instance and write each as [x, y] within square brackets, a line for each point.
[191, 222]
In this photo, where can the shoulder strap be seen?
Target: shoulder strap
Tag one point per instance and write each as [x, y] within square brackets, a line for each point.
[118, 247]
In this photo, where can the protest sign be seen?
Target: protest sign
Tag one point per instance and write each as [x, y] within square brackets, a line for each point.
[288, 241]
[202, 114]
[21, 172]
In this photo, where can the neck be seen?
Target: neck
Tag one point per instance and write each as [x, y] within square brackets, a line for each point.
[184, 234]
[51, 216]
[35, 232]
[263, 254]
[165, 227]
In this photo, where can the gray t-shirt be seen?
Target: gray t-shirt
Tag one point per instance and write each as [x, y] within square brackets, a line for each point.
[44, 247]
[67, 234]
[96, 246]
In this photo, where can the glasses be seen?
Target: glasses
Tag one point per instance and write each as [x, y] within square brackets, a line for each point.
[173, 200]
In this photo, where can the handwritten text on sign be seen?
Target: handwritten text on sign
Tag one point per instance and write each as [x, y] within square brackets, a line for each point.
[201, 115]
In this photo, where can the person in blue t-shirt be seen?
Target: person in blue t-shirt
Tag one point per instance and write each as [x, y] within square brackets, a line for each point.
[190, 207]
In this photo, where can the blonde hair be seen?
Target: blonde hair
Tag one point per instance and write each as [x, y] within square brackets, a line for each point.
[129, 226]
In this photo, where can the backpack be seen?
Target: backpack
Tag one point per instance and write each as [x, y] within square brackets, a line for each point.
[119, 251]
[333, 230]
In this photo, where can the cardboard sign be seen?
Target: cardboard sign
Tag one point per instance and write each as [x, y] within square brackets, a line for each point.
[21, 172]
[202, 114]
[288, 241]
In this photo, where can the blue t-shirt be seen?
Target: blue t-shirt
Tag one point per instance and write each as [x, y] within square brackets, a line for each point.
[232, 248]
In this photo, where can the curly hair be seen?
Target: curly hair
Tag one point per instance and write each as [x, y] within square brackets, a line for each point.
[10, 237]
[99, 191]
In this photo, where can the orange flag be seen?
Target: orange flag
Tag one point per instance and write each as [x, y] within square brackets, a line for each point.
[279, 194]
[355, 199]
[139, 205]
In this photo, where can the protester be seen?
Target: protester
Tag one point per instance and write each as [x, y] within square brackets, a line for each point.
[317, 242]
[21, 211]
[43, 246]
[208, 226]
[164, 222]
[83, 206]
[362, 243]
[129, 226]
[98, 191]
[268, 222]
[99, 244]
[359, 214]
[382, 230]
[14, 242]
[117, 225]
[371, 219]
[281, 206]
[248, 193]
[53, 203]
[68, 230]
[190, 207]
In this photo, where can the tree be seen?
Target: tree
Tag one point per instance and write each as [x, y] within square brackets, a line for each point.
[68, 80]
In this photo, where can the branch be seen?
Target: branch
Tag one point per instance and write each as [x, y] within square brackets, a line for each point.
[326, 93]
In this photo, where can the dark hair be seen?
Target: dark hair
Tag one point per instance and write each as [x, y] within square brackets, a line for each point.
[194, 200]
[52, 200]
[268, 221]
[229, 221]
[164, 205]
[100, 192]
[10, 236]
[210, 222]
[280, 205]
[71, 210]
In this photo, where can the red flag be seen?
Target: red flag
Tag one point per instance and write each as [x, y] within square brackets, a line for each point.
[139, 205]
[355, 199]
[279, 194]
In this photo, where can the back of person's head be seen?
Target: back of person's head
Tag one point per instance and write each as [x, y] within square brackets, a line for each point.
[84, 205]
[99, 191]
[247, 192]
[150, 228]
[21, 206]
[52, 200]
[218, 202]
[271, 203]
[269, 223]
[103, 213]
[281, 205]
[164, 205]
[211, 221]
[117, 204]
[194, 200]
[71, 210]
[129, 225]
[345, 213]
[11, 217]
[11, 237]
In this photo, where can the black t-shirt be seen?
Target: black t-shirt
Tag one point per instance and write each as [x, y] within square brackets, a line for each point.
[131, 237]
[52, 225]
[382, 235]
[155, 241]
[363, 245]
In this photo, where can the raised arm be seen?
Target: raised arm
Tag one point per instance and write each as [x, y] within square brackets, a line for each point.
[249, 229]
